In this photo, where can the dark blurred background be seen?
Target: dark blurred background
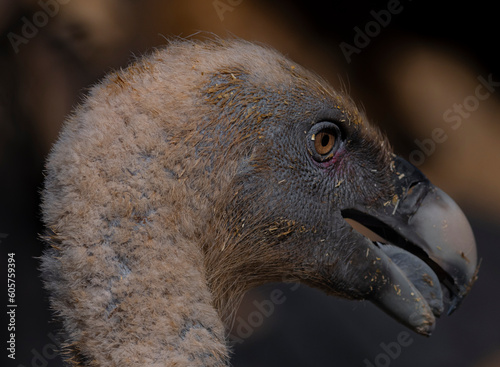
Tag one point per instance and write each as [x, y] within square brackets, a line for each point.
[414, 71]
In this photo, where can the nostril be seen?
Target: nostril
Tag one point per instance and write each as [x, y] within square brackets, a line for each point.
[411, 188]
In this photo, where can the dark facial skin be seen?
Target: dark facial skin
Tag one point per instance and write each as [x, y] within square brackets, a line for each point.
[289, 196]
[316, 157]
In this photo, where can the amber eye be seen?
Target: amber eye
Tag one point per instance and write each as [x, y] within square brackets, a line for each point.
[323, 140]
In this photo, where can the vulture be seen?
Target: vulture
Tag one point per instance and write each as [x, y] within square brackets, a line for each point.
[207, 168]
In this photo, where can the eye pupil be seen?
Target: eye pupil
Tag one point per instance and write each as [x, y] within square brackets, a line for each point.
[324, 142]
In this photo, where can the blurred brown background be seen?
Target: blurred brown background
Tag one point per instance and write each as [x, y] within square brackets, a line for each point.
[417, 71]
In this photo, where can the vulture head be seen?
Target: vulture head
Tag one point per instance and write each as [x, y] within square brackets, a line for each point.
[208, 168]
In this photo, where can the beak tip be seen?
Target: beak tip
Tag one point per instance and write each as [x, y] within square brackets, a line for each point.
[423, 322]
[451, 244]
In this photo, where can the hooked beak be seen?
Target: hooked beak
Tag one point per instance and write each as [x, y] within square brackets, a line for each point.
[425, 247]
